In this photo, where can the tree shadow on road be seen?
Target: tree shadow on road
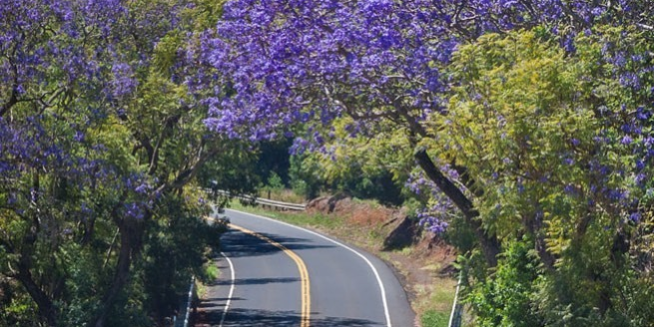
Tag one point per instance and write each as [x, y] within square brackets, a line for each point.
[257, 281]
[264, 318]
[239, 244]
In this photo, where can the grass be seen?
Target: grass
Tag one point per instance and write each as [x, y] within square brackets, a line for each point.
[433, 318]
[359, 232]
[211, 272]
[283, 195]
[436, 296]
[297, 218]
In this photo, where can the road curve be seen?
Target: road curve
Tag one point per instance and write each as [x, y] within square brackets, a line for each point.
[348, 287]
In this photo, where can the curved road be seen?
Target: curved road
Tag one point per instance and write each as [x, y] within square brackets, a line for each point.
[288, 276]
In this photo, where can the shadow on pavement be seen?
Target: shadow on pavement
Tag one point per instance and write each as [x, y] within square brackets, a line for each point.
[238, 244]
[257, 281]
[264, 318]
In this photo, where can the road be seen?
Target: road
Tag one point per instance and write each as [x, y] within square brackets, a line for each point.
[274, 274]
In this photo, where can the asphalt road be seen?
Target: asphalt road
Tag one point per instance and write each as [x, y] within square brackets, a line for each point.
[288, 276]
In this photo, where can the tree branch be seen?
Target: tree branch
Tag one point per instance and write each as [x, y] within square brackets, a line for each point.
[490, 245]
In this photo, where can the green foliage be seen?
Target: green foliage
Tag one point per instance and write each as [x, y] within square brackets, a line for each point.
[515, 114]
[461, 236]
[233, 169]
[18, 309]
[366, 167]
[304, 175]
[540, 130]
[273, 156]
[274, 181]
[204, 14]
[433, 318]
[175, 251]
[211, 272]
[506, 299]
[68, 241]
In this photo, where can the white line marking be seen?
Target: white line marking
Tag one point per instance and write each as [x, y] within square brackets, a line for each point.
[374, 270]
[231, 290]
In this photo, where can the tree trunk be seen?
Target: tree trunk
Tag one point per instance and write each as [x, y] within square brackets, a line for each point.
[131, 232]
[534, 226]
[490, 245]
[46, 308]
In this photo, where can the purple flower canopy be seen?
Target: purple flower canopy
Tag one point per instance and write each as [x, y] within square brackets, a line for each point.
[63, 66]
[270, 64]
[280, 62]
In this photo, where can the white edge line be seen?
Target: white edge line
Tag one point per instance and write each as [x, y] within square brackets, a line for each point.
[231, 289]
[374, 270]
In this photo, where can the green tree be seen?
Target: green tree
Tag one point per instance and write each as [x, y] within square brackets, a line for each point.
[555, 143]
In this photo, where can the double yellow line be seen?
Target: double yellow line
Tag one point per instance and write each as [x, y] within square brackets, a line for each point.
[304, 273]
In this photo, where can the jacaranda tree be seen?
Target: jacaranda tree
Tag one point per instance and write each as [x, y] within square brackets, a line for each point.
[279, 62]
[99, 138]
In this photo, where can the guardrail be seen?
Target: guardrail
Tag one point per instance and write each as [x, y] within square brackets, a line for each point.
[182, 319]
[264, 202]
[455, 316]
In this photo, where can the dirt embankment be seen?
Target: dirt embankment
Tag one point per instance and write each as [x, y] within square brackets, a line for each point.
[423, 260]
[398, 230]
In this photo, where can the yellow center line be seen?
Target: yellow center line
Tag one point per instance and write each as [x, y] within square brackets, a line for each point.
[304, 273]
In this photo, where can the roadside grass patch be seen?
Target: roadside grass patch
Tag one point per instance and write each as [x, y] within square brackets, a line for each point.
[283, 195]
[211, 272]
[433, 318]
[298, 218]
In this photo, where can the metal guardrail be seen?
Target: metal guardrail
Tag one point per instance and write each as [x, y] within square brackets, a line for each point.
[264, 202]
[455, 316]
[182, 319]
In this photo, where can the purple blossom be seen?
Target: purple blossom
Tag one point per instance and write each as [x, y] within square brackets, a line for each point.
[570, 189]
[143, 188]
[79, 136]
[358, 55]
[134, 211]
[642, 113]
[123, 82]
[430, 221]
